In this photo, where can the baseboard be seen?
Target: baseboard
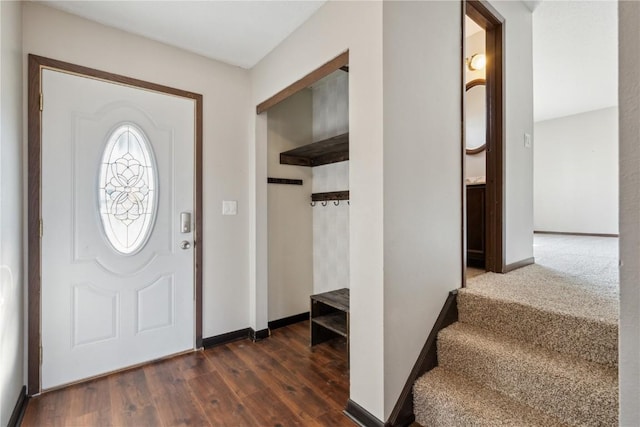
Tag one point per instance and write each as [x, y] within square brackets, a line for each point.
[259, 335]
[226, 338]
[402, 414]
[563, 233]
[286, 321]
[360, 415]
[240, 334]
[518, 264]
[19, 409]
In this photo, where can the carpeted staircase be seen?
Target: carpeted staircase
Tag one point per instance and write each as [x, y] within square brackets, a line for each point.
[508, 362]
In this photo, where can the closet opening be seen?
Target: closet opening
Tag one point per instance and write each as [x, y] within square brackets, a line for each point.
[308, 211]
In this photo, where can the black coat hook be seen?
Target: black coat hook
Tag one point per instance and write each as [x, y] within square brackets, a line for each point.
[312, 204]
[324, 203]
[336, 203]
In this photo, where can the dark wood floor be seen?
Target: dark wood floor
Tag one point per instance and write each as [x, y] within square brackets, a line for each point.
[279, 381]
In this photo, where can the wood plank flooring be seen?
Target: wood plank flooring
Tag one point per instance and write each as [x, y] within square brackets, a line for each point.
[279, 381]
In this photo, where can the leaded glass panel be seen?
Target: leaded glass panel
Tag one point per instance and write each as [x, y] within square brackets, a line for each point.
[127, 189]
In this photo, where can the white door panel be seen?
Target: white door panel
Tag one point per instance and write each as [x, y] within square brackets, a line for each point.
[103, 310]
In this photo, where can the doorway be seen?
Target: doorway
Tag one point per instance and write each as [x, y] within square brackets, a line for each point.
[114, 164]
[575, 157]
[483, 193]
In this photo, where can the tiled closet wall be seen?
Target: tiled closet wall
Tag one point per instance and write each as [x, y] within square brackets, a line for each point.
[331, 222]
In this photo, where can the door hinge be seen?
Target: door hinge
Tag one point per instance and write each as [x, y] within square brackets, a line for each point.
[41, 355]
[41, 228]
[41, 101]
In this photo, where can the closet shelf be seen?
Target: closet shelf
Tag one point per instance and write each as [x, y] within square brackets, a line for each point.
[333, 195]
[335, 322]
[329, 316]
[330, 150]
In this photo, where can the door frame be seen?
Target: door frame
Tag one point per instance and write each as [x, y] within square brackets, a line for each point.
[488, 18]
[34, 231]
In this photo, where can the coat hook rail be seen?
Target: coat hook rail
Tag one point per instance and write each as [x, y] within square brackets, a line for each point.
[330, 196]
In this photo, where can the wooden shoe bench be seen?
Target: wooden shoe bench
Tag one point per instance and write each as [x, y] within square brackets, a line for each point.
[330, 316]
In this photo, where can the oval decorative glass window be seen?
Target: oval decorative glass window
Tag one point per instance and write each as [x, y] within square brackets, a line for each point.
[127, 193]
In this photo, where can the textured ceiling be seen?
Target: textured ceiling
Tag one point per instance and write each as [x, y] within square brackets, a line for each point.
[575, 57]
[236, 32]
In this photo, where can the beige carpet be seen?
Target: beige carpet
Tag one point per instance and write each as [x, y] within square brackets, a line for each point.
[592, 259]
[534, 347]
[467, 403]
[542, 287]
[545, 307]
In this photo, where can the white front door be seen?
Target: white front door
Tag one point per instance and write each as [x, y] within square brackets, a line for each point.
[117, 190]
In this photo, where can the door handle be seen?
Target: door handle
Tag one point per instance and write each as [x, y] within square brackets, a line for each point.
[185, 245]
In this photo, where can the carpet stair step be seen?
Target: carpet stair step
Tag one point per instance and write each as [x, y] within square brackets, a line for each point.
[444, 399]
[589, 338]
[576, 391]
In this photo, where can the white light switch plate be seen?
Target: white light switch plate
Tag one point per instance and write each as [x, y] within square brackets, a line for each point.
[527, 140]
[229, 207]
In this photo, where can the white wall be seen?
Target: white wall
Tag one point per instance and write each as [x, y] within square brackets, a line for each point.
[290, 219]
[629, 104]
[12, 282]
[331, 222]
[575, 170]
[51, 33]
[422, 177]
[518, 119]
[336, 27]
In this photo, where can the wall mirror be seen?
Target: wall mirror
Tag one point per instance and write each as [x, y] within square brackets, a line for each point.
[476, 117]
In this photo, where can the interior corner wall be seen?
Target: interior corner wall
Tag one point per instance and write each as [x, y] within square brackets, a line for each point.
[331, 222]
[290, 218]
[629, 175]
[227, 130]
[576, 173]
[422, 177]
[518, 120]
[334, 28]
[12, 283]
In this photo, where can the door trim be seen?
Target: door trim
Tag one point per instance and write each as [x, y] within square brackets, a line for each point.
[34, 188]
[492, 22]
